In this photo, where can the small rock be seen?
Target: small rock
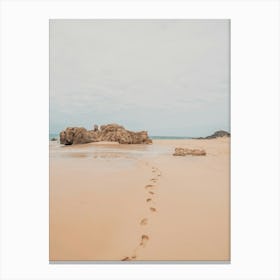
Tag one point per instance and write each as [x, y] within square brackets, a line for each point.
[186, 151]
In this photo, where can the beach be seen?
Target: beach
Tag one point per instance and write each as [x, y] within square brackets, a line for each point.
[113, 202]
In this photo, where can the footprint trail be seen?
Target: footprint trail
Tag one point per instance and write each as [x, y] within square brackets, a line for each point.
[145, 221]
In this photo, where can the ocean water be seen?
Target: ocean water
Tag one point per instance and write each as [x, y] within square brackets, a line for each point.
[53, 135]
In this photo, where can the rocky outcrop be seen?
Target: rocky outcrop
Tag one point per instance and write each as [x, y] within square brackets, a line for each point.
[217, 134]
[110, 132]
[186, 151]
[220, 133]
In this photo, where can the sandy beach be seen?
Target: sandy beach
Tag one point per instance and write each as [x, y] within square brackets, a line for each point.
[138, 202]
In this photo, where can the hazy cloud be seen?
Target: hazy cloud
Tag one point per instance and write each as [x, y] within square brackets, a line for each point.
[169, 77]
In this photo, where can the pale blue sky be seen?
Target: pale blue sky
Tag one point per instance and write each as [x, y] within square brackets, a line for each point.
[170, 77]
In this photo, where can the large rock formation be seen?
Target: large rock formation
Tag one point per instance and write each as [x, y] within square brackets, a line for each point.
[186, 151]
[110, 132]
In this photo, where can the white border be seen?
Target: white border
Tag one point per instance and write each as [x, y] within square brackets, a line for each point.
[254, 128]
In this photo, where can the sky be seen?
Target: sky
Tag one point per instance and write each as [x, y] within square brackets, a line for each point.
[169, 77]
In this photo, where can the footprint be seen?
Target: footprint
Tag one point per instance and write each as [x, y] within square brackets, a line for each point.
[148, 200]
[126, 259]
[144, 240]
[151, 192]
[153, 209]
[133, 257]
[144, 222]
[149, 187]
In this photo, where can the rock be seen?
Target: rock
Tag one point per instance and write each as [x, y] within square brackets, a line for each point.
[179, 152]
[77, 135]
[149, 141]
[110, 132]
[186, 151]
[219, 133]
[117, 133]
[198, 152]
[53, 139]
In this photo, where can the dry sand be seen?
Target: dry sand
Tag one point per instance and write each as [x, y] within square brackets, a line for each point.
[138, 202]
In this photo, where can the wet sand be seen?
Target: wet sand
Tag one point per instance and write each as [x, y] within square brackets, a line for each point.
[138, 202]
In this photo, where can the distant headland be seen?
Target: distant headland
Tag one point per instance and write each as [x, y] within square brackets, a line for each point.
[217, 134]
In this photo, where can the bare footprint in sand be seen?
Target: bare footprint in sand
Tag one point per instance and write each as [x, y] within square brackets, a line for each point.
[144, 240]
[148, 200]
[144, 222]
[154, 180]
[151, 192]
[149, 187]
[126, 259]
[153, 209]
